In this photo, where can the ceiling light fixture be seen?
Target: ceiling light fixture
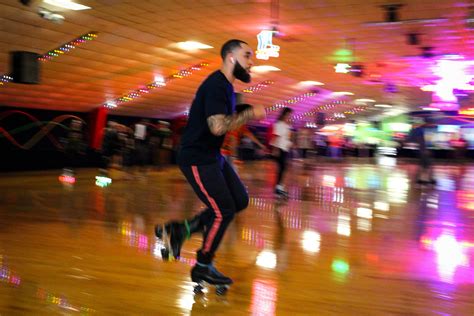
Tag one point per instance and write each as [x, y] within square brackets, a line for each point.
[383, 105]
[364, 100]
[428, 88]
[342, 68]
[160, 81]
[311, 83]
[110, 104]
[264, 69]
[192, 45]
[67, 4]
[341, 93]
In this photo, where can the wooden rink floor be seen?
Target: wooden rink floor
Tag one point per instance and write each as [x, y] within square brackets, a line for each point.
[355, 238]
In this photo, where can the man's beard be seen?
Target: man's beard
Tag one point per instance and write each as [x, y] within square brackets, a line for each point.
[241, 74]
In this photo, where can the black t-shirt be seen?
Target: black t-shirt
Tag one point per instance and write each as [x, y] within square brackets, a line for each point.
[198, 145]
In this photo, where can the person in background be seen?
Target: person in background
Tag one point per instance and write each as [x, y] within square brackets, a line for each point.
[141, 136]
[335, 144]
[74, 147]
[232, 139]
[417, 135]
[128, 151]
[459, 145]
[282, 145]
[304, 141]
[165, 142]
[110, 146]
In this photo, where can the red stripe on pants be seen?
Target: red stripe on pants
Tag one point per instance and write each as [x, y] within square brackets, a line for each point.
[217, 220]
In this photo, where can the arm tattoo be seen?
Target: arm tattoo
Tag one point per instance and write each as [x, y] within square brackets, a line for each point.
[220, 124]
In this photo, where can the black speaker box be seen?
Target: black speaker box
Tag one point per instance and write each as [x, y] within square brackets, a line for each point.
[25, 2]
[25, 67]
[321, 119]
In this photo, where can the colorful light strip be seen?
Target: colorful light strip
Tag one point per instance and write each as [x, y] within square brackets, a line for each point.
[68, 46]
[258, 87]
[288, 102]
[57, 51]
[5, 79]
[320, 108]
[153, 85]
[8, 276]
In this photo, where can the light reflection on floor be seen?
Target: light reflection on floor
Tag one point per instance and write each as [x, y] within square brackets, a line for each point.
[350, 240]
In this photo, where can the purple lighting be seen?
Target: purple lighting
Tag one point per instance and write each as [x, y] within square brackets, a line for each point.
[450, 255]
[452, 75]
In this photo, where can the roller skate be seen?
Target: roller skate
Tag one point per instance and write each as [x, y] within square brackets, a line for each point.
[208, 275]
[173, 234]
[280, 193]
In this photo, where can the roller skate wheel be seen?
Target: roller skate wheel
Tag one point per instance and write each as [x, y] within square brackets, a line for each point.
[221, 289]
[159, 232]
[198, 289]
[165, 254]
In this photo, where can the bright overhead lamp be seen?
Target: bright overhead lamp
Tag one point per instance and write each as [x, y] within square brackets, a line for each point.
[67, 4]
[430, 109]
[339, 93]
[428, 88]
[383, 105]
[111, 105]
[364, 100]
[331, 128]
[342, 68]
[311, 83]
[264, 68]
[160, 81]
[192, 45]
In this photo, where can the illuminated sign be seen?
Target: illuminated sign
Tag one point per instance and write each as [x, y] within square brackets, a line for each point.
[342, 68]
[265, 48]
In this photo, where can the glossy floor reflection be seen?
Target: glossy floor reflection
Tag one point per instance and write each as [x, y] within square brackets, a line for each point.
[355, 238]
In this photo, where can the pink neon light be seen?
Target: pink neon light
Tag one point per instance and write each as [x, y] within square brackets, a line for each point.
[67, 179]
[452, 75]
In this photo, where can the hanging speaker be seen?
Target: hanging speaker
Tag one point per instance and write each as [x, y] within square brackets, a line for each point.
[413, 39]
[25, 67]
[320, 119]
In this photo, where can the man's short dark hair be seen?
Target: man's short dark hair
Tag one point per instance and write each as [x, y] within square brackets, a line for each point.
[284, 112]
[230, 46]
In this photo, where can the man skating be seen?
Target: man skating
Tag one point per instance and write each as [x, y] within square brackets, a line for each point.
[212, 114]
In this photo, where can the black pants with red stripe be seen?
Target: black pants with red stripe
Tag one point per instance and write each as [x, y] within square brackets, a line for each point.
[219, 187]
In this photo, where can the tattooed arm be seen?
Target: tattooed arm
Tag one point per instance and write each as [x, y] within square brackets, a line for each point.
[219, 124]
